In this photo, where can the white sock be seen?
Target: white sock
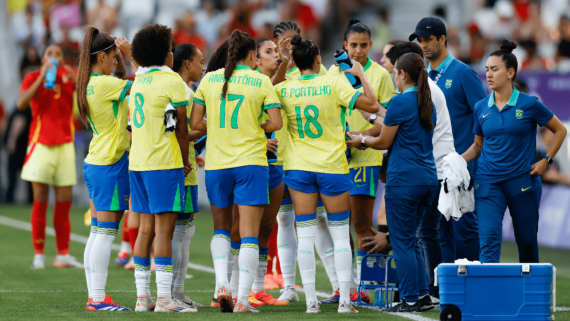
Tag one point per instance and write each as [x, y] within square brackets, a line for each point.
[325, 247]
[100, 256]
[180, 262]
[87, 254]
[163, 277]
[142, 276]
[248, 262]
[259, 282]
[306, 230]
[220, 247]
[339, 227]
[352, 273]
[234, 280]
[287, 242]
[125, 247]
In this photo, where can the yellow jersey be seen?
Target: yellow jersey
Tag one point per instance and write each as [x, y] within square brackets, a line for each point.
[235, 137]
[108, 116]
[316, 109]
[192, 178]
[151, 148]
[383, 87]
[296, 73]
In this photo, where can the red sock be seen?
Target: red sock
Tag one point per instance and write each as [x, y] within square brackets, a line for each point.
[62, 227]
[272, 244]
[133, 233]
[125, 235]
[39, 226]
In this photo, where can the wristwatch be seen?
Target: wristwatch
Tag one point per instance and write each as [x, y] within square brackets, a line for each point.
[549, 160]
[372, 118]
[363, 142]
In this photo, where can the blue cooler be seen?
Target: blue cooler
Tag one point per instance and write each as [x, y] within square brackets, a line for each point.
[496, 291]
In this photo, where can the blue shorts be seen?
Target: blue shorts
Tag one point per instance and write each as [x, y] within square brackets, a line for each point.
[282, 172]
[160, 191]
[312, 182]
[108, 185]
[275, 177]
[244, 185]
[364, 180]
[191, 205]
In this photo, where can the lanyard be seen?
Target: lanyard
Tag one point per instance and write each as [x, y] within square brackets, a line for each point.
[443, 69]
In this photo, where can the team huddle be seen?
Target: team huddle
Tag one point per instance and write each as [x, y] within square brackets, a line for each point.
[291, 143]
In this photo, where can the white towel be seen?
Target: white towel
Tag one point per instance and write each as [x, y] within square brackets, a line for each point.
[169, 119]
[456, 195]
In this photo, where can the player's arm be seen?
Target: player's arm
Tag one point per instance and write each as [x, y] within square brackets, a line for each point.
[197, 121]
[367, 101]
[125, 46]
[194, 135]
[275, 121]
[285, 56]
[119, 69]
[374, 132]
[182, 137]
[27, 95]
[475, 150]
[559, 131]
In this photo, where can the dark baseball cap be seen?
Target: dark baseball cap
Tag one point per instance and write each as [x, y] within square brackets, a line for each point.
[429, 26]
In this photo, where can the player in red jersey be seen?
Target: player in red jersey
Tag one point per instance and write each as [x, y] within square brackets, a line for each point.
[50, 159]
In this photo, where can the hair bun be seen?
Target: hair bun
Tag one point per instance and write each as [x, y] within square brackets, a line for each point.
[353, 22]
[296, 40]
[508, 46]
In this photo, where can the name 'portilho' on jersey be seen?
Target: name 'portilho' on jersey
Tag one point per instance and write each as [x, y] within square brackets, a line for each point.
[235, 137]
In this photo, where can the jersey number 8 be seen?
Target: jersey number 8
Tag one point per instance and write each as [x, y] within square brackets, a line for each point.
[139, 103]
[311, 119]
[231, 97]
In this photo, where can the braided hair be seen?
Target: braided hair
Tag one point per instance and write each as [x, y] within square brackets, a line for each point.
[240, 45]
[284, 27]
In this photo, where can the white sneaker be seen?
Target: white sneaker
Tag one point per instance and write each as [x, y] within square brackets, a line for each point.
[189, 302]
[313, 307]
[169, 305]
[289, 295]
[145, 304]
[39, 261]
[66, 261]
[344, 307]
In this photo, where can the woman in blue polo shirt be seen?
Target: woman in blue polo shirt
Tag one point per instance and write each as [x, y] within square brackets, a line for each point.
[411, 183]
[505, 143]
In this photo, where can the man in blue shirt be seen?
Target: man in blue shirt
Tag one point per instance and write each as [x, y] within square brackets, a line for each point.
[462, 89]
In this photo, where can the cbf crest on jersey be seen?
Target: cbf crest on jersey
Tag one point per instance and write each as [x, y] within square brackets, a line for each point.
[519, 113]
[448, 83]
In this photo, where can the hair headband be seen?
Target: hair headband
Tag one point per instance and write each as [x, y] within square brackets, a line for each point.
[96, 52]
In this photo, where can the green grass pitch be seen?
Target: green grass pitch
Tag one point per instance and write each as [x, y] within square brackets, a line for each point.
[53, 294]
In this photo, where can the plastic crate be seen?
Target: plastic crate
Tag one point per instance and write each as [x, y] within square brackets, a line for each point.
[496, 291]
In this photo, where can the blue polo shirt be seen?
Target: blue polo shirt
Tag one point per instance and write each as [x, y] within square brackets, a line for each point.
[462, 89]
[509, 143]
[411, 155]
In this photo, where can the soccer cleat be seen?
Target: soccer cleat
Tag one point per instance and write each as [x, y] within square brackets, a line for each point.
[313, 308]
[145, 304]
[270, 283]
[344, 307]
[66, 261]
[39, 262]
[425, 303]
[189, 302]
[253, 301]
[89, 301]
[289, 295]
[214, 303]
[122, 258]
[278, 278]
[225, 302]
[169, 305]
[130, 266]
[268, 299]
[363, 297]
[106, 305]
[333, 299]
[402, 307]
[240, 308]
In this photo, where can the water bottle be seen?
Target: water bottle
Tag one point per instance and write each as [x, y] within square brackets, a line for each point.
[345, 63]
[51, 75]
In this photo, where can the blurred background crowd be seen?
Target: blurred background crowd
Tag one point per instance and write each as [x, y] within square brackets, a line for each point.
[540, 27]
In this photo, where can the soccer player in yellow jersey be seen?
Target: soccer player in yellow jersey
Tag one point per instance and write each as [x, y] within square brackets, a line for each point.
[189, 64]
[102, 105]
[236, 164]
[282, 32]
[158, 163]
[315, 162]
[365, 164]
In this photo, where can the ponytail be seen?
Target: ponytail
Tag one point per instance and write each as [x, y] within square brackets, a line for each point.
[240, 45]
[93, 43]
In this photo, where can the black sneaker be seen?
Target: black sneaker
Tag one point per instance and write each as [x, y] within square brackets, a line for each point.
[425, 303]
[403, 307]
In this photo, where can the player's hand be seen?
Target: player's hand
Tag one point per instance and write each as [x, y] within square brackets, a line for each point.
[379, 243]
[71, 73]
[124, 45]
[187, 168]
[355, 143]
[539, 167]
[272, 145]
[356, 69]
[45, 68]
[285, 49]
